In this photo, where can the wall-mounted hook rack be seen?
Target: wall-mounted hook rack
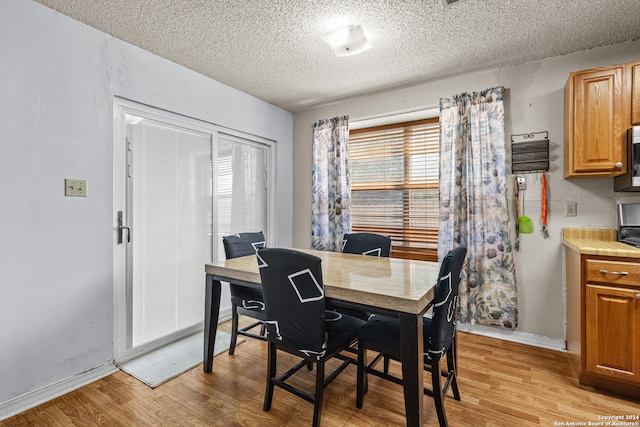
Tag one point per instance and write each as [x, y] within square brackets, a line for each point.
[530, 155]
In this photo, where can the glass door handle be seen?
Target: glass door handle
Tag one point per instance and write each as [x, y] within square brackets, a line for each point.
[122, 227]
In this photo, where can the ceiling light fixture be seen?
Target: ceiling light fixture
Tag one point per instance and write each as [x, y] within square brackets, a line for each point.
[449, 3]
[348, 40]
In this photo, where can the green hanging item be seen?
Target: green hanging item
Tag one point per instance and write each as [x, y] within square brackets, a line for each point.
[525, 225]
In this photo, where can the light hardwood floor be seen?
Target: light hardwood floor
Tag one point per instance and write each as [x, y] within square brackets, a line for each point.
[501, 383]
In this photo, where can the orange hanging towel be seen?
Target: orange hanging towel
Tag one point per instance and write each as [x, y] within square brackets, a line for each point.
[545, 210]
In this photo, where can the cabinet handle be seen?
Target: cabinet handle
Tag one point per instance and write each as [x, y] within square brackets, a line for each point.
[637, 296]
[618, 165]
[619, 273]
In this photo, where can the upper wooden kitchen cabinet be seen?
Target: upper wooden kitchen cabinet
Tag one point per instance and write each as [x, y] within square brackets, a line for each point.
[595, 122]
[634, 75]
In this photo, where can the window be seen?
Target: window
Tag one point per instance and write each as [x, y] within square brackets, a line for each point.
[394, 185]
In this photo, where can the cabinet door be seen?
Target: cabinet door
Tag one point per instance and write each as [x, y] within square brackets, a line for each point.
[613, 332]
[598, 143]
[635, 93]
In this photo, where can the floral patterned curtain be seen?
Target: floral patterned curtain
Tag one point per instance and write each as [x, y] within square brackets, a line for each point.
[473, 205]
[331, 190]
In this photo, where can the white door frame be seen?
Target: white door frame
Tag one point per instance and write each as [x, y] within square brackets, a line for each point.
[120, 108]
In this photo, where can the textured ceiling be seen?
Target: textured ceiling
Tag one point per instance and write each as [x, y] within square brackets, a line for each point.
[272, 48]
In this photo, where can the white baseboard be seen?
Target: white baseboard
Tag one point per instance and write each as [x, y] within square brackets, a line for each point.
[515, 336]
[34, 398]
[225, 314]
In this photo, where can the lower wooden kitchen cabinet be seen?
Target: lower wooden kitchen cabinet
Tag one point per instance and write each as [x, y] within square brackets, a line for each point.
[603, 320]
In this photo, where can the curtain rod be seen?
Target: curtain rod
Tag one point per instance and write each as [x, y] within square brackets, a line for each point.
[433, 107]
[397, 113]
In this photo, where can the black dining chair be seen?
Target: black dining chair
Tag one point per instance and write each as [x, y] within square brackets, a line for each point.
[370, 244]
[297, 323]
[366, 244]
[382, 334]
[244, 300]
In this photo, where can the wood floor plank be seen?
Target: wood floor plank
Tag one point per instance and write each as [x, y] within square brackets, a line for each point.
[502, 384]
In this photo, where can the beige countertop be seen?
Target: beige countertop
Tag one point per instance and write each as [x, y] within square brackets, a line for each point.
[594, 241]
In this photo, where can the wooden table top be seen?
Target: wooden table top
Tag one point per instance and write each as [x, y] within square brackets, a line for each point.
[390, 283]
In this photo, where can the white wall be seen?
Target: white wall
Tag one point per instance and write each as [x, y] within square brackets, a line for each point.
[58, 78]
[533, 102]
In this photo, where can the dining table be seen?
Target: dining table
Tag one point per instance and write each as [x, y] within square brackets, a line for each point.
[395, 287]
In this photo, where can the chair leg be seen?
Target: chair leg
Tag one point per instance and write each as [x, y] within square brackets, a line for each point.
[271, 373]
[361, 375]
[386, 364]
[317, 407]
[234, 329]
[452, 372]
[437, 392]
[263, 328]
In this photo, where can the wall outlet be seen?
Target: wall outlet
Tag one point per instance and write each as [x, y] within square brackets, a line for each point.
[75, 188]
[571, 209]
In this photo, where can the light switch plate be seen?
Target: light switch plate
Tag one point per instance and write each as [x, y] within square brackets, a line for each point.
[75, 187]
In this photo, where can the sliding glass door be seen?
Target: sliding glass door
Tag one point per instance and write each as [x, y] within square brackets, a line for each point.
[180, 186]
[242, 183]
[170, 215]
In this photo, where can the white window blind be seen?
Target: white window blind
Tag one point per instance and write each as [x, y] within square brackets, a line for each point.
[394, 180]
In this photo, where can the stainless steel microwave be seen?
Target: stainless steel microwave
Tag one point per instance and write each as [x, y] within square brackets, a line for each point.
[631, 180]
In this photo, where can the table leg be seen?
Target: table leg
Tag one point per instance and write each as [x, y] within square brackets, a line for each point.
[211, 313]
[412, 350]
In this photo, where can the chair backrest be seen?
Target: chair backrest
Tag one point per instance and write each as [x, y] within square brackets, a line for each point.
[366, 244]
[243, 244]
[294, 299]
[446, 302]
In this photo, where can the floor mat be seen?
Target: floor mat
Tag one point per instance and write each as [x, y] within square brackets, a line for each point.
[165, 363]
